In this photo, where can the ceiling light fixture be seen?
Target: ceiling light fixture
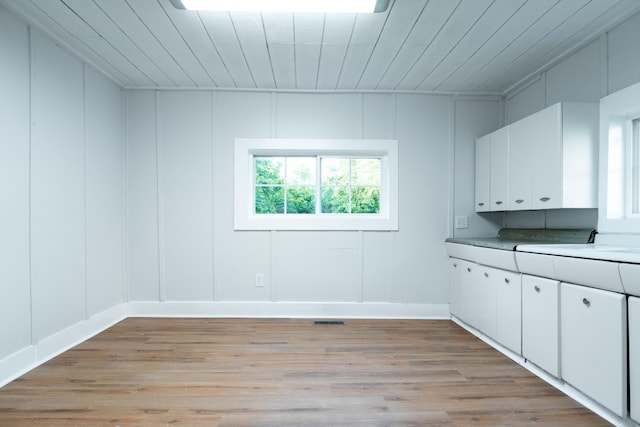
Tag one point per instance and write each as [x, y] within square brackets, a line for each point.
[312, 6]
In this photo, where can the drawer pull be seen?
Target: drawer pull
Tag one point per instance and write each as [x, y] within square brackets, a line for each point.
[469, 269]
[486, 274]
[545, 199]
[537, 288]
[455, 265]
[506, 280]
[586, 302]
[519, 201]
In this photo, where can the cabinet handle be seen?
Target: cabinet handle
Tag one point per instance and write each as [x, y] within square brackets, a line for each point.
[519, 201]
[537, 288]
[545, 199]
[506, 280]
[486, 274]
[586, 302]
[469, 269]
[455, 265]
[499, 202]
[481, 204]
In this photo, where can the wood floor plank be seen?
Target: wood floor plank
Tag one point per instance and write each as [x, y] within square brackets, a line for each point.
[285, 372]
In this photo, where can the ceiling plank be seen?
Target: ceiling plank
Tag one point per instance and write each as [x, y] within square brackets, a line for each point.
[338, 28]
[510, 37]
[222, 33]
[192, 30]
[106, 28]
[363, 39]
[308, 34]
[278, 29]
[157, 21]
[250, 30]
[124, 17]
[489, 23]
[461, 21]
[400, 23]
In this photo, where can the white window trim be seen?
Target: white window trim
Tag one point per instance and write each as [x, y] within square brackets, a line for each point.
[246, 148]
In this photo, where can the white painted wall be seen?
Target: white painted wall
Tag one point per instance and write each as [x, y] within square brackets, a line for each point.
[182, 246]
[62, 197]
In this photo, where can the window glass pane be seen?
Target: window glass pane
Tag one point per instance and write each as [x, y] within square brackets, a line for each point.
[269, 170]
[301, 200]
[269, 200]
[365, 200]
[301, 170]
[365, 172]
[334, 171]
[335, 199]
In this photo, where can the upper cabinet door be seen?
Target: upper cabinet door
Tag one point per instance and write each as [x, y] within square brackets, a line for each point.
[546, 160]
[521, 148]
[500, 169]
[483, 170]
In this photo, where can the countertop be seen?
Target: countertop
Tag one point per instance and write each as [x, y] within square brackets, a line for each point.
[510, 238]
[587, 251]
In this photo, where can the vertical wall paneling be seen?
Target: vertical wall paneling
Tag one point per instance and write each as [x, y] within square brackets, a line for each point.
[419, 259]
[238, 256]
[104, 193]
[473, 118]
[15, 291]
[142, 198]
[57, 188]
[185, 146]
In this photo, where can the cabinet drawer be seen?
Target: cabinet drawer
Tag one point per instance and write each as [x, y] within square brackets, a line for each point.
[594, 344]
[540, 316]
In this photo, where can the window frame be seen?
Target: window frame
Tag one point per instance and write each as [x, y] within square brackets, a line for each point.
[617, 113]
[245, 217]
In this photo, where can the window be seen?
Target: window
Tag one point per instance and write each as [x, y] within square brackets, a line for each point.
[303, 184]
[620, 162]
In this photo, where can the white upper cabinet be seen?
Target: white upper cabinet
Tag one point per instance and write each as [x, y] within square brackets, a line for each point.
[554, 158]
[500, 169]
[492, 171]
[545, 161]
[483, 174]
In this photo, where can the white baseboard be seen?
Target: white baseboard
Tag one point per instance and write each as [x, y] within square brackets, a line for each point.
[34, 355]
[289, 310]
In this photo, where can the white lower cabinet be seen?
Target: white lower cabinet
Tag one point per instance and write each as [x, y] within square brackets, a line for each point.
[509, 310]
[634, 357]
[540, 322]
[594, 344]
[486, 302]
[464, 291]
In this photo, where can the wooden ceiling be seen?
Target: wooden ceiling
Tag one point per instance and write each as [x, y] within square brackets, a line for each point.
[442, 46]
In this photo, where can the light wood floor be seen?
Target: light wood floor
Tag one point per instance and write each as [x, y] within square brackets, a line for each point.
[247, 372]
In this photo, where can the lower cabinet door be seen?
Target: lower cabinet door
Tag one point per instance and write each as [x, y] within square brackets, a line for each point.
[634, 357]
[540, 323]
[593, 344]
[509, 310]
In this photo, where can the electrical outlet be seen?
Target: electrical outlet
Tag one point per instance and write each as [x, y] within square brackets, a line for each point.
[259, 280]
[462, 221]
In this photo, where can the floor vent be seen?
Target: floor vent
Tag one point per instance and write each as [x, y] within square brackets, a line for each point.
[328, 322]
